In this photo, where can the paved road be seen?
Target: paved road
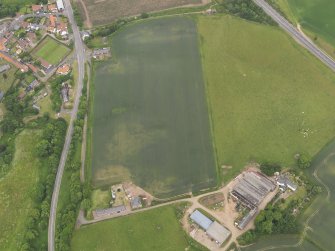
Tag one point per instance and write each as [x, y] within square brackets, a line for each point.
[298, 36]
[80, 52]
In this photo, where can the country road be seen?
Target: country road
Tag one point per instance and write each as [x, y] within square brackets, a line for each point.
[298, 36]
[80, 52]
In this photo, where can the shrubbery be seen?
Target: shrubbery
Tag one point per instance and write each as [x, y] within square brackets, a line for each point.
[246, 9]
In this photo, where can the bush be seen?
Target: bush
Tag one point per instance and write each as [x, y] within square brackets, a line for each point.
[269, 168]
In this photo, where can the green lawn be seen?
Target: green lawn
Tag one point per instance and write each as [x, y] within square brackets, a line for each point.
[151, 123]
[51, 50]
[15, 190]
[157, 229]
[268, 97]
[7, 78]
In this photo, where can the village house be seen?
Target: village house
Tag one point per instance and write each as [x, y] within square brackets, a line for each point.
[17, 64]
[61, 29]
[32, 68]
[52, 24]
[63, 70]
[52, 8]
[31, 38]
[3, 43]
[37, 8]
[22, 44]
[45, 64]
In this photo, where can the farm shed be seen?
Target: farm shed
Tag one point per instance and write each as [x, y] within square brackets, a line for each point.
[218, 232]
[136, 202]
[246, 219]
[252, 188]
[202, 220]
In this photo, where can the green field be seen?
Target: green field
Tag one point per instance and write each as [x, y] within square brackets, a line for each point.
[316, 16]
[7, 78]
[51, 50]
[151, 123]
[15, 191]
[269, 98]
[157, 229]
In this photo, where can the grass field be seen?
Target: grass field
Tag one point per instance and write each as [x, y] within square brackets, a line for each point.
[269, 98]
[15, 190]
[151, 123]
[51, 50]
[316, 16]
[157, 229]
[7, 78]
[103, 12]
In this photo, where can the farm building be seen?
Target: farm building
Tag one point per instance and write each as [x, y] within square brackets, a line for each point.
[101, 53]
[285, 182]
[65, 93]
[252, 189]
[213, 229]
[108, 211]
[200, 219]
[136, 202]
[218, 233]
[246, 219]
[60, 5]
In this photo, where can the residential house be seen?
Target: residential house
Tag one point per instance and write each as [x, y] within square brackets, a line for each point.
[37, 8]
[52, 8]
[45, 64]
[31, 38]
[3, 43]
[22, 44]
[13, 61]
[63, 70]
[61, 29]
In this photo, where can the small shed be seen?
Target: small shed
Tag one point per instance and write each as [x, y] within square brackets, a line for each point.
[203, 221]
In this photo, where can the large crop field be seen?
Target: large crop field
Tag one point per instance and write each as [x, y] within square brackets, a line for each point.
[15, 190]
[105, 11]
[151, 123]
[269, 98]
[157, 229]
[317, 16]
[51, 50]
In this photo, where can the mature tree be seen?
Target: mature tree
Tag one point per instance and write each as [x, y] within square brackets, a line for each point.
[304, 160]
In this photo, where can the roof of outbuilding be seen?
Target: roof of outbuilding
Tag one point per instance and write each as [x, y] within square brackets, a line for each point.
[202, 220]
[218, 232]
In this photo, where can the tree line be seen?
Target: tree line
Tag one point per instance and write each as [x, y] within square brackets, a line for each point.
[245, 9]
[48, 150]
[78, 194]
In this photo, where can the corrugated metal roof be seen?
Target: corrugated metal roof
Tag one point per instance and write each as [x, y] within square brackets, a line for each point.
[218, 232]
[201, 219]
